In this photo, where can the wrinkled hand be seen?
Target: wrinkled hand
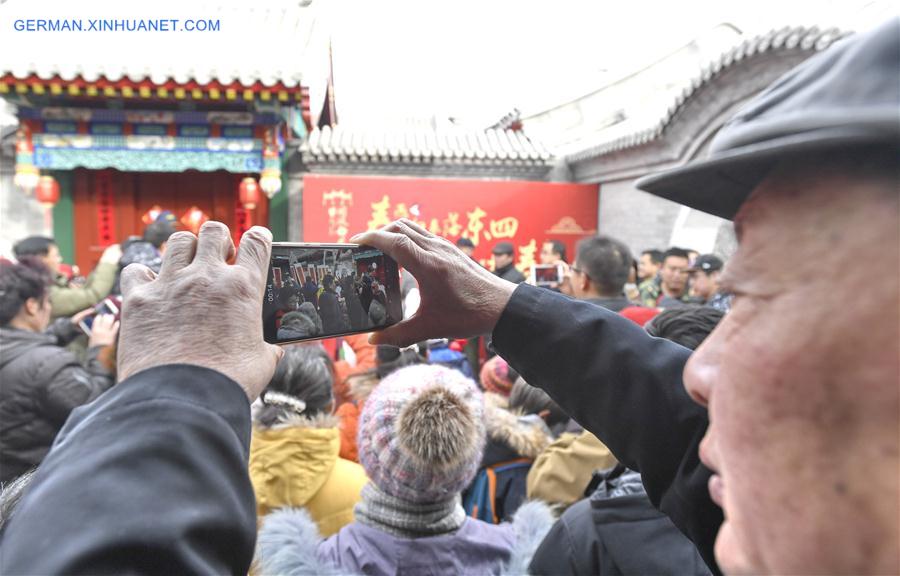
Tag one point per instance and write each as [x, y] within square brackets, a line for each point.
[112, 254]
[104, 330]
[200, 310]
[460, 299]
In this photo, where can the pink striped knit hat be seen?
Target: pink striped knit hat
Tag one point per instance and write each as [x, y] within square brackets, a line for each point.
[422, 434]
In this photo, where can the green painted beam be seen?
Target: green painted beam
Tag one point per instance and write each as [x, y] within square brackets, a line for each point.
[278, 209]
[64, 216]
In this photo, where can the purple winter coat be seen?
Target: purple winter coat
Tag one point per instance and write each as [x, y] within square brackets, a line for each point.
[289, 544]
[477, 548]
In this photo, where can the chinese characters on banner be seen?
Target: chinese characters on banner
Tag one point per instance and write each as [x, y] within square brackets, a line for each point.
[484, 211]
[106, 209]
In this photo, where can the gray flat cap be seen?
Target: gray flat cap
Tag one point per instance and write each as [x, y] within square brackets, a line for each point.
[847, 96]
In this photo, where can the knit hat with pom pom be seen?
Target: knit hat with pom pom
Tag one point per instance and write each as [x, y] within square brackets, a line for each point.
[422, 434]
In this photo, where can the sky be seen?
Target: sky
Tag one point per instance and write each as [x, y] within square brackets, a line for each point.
[475, 60]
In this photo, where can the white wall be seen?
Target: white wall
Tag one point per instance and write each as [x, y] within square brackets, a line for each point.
[20, 215]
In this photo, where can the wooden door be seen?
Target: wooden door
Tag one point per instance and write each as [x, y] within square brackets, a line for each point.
[109, 205]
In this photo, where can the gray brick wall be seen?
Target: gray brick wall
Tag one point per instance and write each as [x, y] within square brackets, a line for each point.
[639, 219]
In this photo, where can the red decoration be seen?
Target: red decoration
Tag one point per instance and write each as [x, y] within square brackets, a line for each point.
[193, 219]
[47, 191]
[152, 214]
[486, 212]
[106, 223]
[242, 222]
[249, 193]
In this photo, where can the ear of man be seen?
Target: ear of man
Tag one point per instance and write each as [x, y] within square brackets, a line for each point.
[33, 306]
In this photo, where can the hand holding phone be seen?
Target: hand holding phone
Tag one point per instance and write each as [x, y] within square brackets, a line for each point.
[104, 330]
[110, 306]
[547, 275]
[78, 318]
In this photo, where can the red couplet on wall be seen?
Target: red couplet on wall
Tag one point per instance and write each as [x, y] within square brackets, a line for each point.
[485, 211]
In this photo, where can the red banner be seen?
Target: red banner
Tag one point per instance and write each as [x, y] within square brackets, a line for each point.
[485, 211]
[106, 209]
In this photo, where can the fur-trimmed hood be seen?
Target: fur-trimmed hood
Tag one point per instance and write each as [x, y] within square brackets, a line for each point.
[361, 386]
[288, 543]
[320, 421]
[526, 435]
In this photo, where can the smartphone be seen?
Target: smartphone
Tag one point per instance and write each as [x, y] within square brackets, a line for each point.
[546, 274]
[109, 305]
[324, 290]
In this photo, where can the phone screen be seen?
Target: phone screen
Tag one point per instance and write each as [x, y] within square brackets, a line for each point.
[546, 274]
[325, 290]
[109, 305]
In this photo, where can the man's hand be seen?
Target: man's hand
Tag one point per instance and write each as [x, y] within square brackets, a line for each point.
[112, 254]
[459, 298]
[200, 310]
[104, 330]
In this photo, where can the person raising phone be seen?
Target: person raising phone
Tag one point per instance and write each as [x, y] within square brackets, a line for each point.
[42, 381]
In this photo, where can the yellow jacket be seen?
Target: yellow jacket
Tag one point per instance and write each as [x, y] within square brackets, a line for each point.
[564, 469]
[297, 465]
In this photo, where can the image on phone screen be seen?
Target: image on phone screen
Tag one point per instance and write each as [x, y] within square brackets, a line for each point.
[546, 274]
[324, 290]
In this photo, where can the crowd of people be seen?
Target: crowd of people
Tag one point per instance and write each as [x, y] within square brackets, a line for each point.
[666, 414]
[58, 340]
[336, 304]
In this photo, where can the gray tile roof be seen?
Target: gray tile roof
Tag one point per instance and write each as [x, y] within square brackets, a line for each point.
[424, 146]
[788, 39]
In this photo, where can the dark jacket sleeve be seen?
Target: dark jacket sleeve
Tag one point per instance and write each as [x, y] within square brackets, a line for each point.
[69, 384]
[152, 477]
[624, 386]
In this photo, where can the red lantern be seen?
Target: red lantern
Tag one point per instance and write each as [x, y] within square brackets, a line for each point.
[152, 214]
[193, 219]
[249, 193]
[47, 191]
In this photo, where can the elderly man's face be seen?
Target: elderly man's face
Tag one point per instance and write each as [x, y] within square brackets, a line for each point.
[801, 380]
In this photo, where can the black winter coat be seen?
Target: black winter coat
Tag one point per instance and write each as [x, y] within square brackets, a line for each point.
[625, 387]
[149, 479]
[40, 383]
[330, 312]
[511, 273]
[616, 532]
